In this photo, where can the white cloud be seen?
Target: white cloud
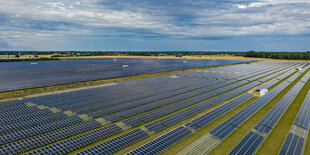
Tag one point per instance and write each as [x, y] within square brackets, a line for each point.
[241, 6]
[97, 19]
[262, 3]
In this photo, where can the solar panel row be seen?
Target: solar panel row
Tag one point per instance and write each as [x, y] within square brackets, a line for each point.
[177, 117]
[241, 99]
[191, 126]
[28, 132]
[250, 110]
[218, 112]
[268, 84]
[269, 120]
[77, 142]
[303, 117]
[160, 103]
[278, 110]
[116, 144]
[47, 138]
[292, 145]
[223, 130]
[198, 88]
[163, 142]
[182, 104]
[277, 72]
[156, 127]
[31, 122]
[248, 144]
[133, 122]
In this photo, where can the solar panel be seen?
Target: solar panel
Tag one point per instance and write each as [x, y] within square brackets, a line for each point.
[248, 144]
[163, 142]
[303, 117]
[117, 143]
[214, 114]
[292, 145]
[222, 130]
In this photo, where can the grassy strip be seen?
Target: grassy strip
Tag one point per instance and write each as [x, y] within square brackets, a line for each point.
[274, 141]
[25, 92]
[307, 150]
[233, 139]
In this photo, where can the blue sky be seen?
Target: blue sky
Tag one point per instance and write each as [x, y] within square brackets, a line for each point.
[216, 25]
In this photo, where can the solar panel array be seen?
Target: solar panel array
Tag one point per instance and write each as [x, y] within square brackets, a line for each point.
[23, 75]
[251, 142]
[303, 117]
[177, 117]
[208, 143]
[109, 118]
[295, 140]
[293, 145]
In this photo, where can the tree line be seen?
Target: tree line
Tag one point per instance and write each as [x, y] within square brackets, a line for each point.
[279, 55]
[29, 59]
[272, 55]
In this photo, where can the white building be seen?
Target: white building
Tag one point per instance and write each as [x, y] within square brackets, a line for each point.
[263, 92]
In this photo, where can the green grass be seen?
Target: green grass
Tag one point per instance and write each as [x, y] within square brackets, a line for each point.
[307, 151]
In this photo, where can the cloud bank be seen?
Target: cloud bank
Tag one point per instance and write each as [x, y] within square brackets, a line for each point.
[144, 25]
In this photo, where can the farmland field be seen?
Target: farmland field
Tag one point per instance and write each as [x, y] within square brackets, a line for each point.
[208, 111]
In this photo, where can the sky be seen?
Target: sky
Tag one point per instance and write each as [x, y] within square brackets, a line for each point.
[155, 25]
